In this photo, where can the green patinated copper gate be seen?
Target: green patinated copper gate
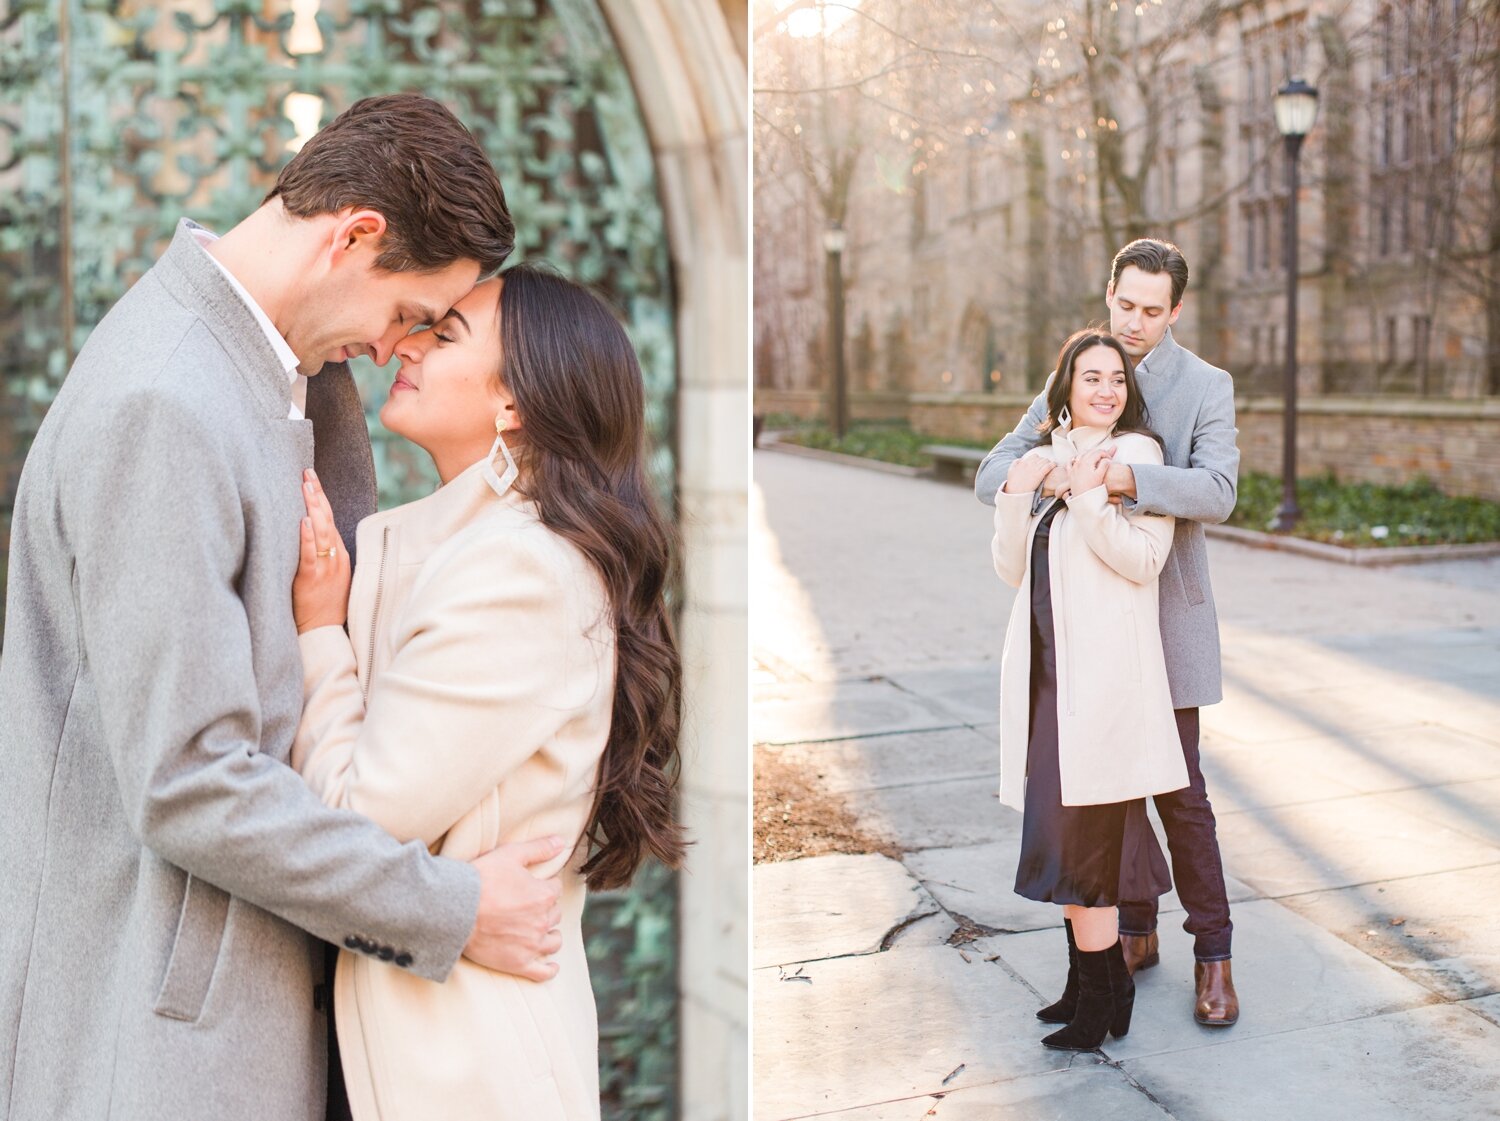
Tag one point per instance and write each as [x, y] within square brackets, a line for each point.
[119, 117]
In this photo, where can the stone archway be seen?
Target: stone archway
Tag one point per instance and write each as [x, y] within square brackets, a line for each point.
[691, 83]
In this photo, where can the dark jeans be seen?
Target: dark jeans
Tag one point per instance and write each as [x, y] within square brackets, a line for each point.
[1196, 865]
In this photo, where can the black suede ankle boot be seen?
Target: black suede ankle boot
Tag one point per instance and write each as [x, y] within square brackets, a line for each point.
[1106, 998]
[1062, 1011]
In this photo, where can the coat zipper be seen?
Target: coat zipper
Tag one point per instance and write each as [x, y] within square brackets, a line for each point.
[385, 541]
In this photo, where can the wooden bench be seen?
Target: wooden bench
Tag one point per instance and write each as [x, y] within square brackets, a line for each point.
[954, 464]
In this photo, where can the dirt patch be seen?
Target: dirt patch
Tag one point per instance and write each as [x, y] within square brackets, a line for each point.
[796, 817]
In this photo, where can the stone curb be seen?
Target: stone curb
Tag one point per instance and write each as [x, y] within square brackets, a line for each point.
[1340, 554]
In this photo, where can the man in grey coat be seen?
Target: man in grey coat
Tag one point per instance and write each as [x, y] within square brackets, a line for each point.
[1191, 406]
[162, 866]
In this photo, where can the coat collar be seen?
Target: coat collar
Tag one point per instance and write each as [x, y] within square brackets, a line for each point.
[1162, 357]
[429, 521]
[195, 281]
[1069, 442]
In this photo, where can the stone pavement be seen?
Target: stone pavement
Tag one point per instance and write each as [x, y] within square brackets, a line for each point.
[1354, 767]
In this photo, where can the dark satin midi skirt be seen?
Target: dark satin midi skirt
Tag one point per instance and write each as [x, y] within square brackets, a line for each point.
[1090, 856]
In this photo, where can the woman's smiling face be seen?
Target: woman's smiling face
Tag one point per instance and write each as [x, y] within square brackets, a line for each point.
[1098, 391]
[447, 393]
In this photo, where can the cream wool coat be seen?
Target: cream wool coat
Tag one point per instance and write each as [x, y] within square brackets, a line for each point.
[468, 707]
[1117, 735]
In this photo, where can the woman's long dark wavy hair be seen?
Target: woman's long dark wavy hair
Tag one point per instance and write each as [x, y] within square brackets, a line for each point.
[1133, 417]
[580, 400]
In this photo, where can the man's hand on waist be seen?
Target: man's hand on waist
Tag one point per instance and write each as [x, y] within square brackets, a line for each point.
[516, 928]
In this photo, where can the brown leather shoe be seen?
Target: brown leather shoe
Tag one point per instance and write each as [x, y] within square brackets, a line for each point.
[1142, 951]
[1218, 1005]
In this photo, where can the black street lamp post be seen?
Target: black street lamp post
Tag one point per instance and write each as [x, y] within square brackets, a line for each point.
[833, 245]
[1296, 110]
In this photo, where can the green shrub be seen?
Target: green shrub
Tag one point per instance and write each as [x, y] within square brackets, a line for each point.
[1413, 513]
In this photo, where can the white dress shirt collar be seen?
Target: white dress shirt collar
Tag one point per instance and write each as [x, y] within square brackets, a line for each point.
[289, 361]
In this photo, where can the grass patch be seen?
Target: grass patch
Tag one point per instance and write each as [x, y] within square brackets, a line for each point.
[1364, 514]
[774, 421]
[882, 442]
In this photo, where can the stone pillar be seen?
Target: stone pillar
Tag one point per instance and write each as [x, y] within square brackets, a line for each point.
[690, 79]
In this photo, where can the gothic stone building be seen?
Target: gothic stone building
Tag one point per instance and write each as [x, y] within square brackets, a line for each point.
[962, 277]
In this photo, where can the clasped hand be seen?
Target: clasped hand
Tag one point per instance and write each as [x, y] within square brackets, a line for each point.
[1088, 470]
[1027, 473]
[1036, 468]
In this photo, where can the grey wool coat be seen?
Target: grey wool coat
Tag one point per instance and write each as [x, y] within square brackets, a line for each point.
[159, 861]
[1191, 407]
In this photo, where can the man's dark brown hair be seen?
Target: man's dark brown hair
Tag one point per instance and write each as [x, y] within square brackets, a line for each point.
[408, 157]
[1153, 256]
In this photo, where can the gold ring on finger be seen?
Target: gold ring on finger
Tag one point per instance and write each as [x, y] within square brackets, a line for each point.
[332, 550]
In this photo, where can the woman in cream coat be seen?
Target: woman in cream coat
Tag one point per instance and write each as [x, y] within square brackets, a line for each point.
[1086, 723]
[508, 673]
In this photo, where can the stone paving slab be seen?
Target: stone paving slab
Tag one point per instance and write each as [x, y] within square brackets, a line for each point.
[862, 589]
[1087, 1089]
[1277, 662]
[898, 760]
[1438, 653]
[1470, 807]
[1465, 705]
[971, 690]
[1486, 1006]
[831, 906]
[1242, 777]
[868, 1030]
[1293, 849]
[1372, 762]
[979, 881]
[1436, 1062]
[1322, 768]
[1288, 972]
[936, 814]
[1252, 714]
[819, 710]
[1445, 928]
